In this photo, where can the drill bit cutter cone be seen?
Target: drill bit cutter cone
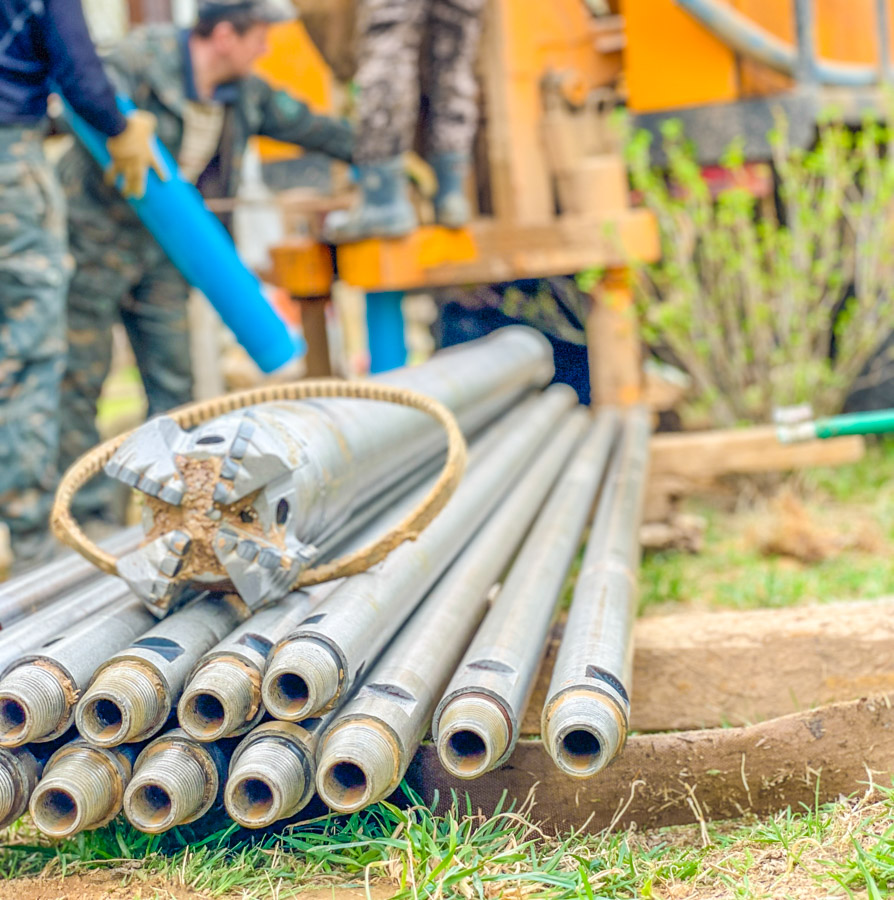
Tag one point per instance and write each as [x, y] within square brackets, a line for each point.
[248, 497]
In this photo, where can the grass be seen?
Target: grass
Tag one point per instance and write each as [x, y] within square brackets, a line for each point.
[844, 849]
[733, 573]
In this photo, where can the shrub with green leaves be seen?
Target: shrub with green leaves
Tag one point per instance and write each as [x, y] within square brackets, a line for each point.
[767, 307]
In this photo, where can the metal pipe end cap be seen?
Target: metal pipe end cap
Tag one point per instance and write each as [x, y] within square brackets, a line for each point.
[584, 731]
[122, 705]
[218, 701]
[472, 736]
[358, 765]
[302, 679]
[33, 705]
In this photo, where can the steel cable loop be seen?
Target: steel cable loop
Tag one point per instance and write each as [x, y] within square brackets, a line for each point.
[66, 529]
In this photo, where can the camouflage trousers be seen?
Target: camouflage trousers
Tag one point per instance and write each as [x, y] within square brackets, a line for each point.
[122, 275]
[405, 46]
[34, 272]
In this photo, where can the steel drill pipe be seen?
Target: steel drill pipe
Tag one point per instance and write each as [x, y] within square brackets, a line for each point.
[38, 693]
[272, 772]
[82, 788]
[132, 694]
[222, 697]
[106, 593]
[587, 710]
[277, 479]
[33, 590]
[320, 663]
[476, 724]
[176, 780]
[20, 769]
[365, 752]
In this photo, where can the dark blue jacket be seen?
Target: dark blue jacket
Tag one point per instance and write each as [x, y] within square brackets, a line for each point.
[44, 46]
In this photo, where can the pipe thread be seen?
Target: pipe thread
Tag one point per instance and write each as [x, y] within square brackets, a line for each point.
[8, 793]
[77, 792]
[472, 735]
[169, 788]
[583, 732]
[266, 783]
[32, 705]
[218, 701]
[302, 679]
[358, 765]
[122, 705]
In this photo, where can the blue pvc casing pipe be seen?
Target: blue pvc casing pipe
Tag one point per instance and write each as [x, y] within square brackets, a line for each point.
[200, 247]
[385, 328]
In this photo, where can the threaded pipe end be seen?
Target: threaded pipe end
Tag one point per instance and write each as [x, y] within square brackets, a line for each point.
[302, 679]
[266, 783]
[583, 732]
[472, 736]
[79, 791]
[122, 705]
[218, 701]
[32, 705]
[358, 765]
[169, 788]
[8, 793]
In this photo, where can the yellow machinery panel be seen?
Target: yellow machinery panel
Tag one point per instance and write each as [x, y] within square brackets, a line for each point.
[294, 64]
[671, 61]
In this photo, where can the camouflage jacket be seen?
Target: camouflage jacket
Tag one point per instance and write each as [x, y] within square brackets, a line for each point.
[151, 67]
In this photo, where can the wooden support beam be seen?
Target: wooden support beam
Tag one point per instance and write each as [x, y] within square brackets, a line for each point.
[710, 670]
[313, 322]
[702, 456]
[690, 776]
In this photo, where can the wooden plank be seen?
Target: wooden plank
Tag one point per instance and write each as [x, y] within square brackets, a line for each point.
[313, 322]
[691, 776]
[708, 670]
[700, 456]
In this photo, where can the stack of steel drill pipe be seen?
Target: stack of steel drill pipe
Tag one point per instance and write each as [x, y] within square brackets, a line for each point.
[319, 665]
[132, 694]
[39, 691]
[20, 770]
[476, 724]
[370, 741]
[27, 635]
[280, 477]
[40, 586]
[586, 713]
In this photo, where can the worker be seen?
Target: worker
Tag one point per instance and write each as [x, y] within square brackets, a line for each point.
[199, 85]
[43, 46]
[403, 44]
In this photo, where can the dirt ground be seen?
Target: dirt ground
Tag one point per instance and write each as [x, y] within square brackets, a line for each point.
[127, 883]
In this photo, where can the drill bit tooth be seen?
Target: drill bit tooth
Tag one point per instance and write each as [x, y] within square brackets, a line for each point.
[150, 569]
[147, 461]
[259, 571]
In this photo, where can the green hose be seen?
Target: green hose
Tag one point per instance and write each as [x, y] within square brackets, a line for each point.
[878, 421]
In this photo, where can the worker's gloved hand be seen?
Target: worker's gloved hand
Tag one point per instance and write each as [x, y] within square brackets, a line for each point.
[133, 154]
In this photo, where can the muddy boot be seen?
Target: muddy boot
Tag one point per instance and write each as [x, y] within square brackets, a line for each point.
[451, 204]
[385, 210]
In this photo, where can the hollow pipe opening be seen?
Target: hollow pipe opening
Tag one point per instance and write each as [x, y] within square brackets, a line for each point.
[580, 750]
[103, 720]
[251, 799]
[150, 805]
[13, 718]
[290, 693]
[205, 714]
[345, 784]
[55, 812]
[467, 752]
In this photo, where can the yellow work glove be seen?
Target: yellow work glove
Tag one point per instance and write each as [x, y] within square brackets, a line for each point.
[133, 155]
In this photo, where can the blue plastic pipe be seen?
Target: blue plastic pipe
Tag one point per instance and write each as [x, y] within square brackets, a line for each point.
[385, 327]
[200, 247]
